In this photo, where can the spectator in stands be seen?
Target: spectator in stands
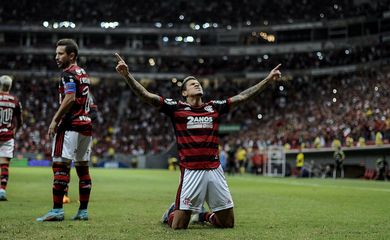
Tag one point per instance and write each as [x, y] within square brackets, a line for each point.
[339, 158]
[382, 169]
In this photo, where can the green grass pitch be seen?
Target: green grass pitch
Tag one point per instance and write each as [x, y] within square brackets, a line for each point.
[128, 204]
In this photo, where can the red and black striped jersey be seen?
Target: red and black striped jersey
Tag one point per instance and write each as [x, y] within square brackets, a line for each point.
[196, 130]
[75, 80]
[10, 111]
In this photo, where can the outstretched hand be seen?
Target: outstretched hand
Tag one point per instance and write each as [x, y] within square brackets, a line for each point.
[121, 67]
[275, 74]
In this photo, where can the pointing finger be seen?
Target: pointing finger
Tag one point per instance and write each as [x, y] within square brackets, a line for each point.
[118, 57]
[277, 67]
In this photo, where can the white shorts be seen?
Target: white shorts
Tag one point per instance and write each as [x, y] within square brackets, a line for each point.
[70, 145]
[7, 148]
[198, 186]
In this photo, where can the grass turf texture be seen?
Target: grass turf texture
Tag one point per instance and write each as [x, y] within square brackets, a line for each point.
[128, 204]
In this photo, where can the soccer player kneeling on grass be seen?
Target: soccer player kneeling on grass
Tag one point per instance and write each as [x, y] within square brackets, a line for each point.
[196, 127]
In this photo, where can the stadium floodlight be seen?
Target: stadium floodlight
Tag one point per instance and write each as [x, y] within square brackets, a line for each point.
[55, 25]
[206, 25]
[158, 25]
[281, 88]
[265, 56]
[178, 38]
[152, 62]
[181, 17]
[109, 24]
[45, 24]
[248, 23]
[197, 27]
[165, 39]
[215, 25]
[347, 51]
[229, 27]
[376, 88]
[259, 116]
[189, 39]
[334, 90]
[334, 100]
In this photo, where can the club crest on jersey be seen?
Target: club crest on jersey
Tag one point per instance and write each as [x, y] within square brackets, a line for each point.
[199, 122]
[209, 109]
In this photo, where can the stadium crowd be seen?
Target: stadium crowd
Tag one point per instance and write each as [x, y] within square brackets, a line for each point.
[211, 65]
[222, 12]
[290, 113]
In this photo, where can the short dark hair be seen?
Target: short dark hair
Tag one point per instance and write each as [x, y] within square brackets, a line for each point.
[70, 46]
[183, 84]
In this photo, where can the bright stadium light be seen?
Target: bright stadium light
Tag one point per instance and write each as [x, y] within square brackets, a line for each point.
[197, 27]
[45, 24]
[347, 51]
[281, 88]
[165, 39]
[181, 17]
[109, 24]
[152, 62]
[206, 25]
[200, 60]
[55, 25]
[334, 100]
[259, 116]
[178, 38]
[189, 39]
[265, 56]
[158, 25]
[376, 89]
[334, 90]
[215, 25]
[248, 23]
[229, 27]
[174, 80]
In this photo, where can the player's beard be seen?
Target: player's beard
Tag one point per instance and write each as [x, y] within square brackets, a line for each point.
[64, 64]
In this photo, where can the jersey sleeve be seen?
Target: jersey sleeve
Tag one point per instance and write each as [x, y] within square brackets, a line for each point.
[222, 106]
[168, 106]
[69, 82]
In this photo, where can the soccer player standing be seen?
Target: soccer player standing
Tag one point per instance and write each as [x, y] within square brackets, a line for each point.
[196, 127]
[71, 130]
[10, 122]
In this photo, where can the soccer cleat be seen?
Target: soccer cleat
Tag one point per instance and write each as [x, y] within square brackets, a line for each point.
[66, 199]
[56, 214]
[165, 216]
[3, 195]
[198, 217]
[81, 215]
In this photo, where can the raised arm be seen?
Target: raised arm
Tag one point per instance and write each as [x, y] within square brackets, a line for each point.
[249, 93]
[135, 86]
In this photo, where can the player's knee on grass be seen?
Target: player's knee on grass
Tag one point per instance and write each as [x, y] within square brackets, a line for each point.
[181, 219]
[225, 218]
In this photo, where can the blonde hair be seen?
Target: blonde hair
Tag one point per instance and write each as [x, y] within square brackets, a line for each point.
[5, 83]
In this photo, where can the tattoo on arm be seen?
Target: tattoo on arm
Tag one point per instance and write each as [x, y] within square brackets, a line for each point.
[249, 93]
[142, 93]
